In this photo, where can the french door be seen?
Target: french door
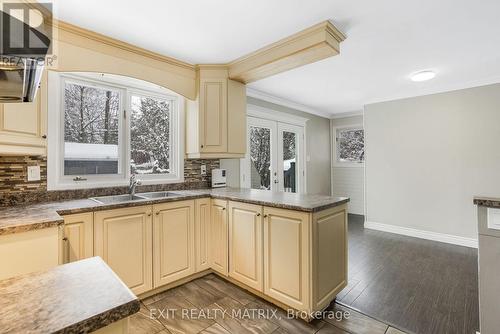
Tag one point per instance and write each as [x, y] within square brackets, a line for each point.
[274, 159]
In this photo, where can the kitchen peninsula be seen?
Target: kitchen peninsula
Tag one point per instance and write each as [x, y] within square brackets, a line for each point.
[290, 249]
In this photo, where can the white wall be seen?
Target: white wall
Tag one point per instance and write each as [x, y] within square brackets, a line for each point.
[427, 157]
[347, 180]
[318, 150]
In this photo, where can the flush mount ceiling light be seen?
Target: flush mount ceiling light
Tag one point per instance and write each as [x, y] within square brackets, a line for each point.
[422, 76]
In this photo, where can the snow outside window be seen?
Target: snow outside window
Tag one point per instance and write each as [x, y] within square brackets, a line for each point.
[350, 146]
[106, 130]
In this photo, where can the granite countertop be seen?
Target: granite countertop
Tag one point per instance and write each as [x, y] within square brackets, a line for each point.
[30, 217]
[489, 202]
[78, 297]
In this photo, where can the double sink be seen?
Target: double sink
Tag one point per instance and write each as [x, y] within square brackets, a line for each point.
[131, 198]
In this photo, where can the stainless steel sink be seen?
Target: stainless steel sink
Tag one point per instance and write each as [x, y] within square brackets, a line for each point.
[117, 199]
[159, 194]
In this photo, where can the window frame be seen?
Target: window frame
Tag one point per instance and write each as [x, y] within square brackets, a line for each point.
[56, 180]
[336, 161]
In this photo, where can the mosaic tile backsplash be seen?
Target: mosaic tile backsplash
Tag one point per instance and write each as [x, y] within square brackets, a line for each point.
[16, 190]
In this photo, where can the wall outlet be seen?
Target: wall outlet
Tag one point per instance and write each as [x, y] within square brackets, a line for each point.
[203, 170]
[33, 173]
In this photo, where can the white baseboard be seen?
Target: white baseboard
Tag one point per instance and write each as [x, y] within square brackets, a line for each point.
[435, 236]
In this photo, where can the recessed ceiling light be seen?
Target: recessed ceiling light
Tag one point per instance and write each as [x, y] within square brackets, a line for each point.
[422, 76]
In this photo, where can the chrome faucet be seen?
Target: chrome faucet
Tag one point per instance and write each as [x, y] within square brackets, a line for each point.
[133, 184]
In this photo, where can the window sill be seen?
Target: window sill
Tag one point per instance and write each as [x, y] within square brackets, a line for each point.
[348, 165]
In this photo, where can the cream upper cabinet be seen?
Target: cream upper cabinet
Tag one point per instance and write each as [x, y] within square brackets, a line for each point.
[202, 233]
[218, 240]
[123, 238]
[245, 244]
[286, 257]
[23, 126]
[78, 237]
[173, 244]
[216, 121]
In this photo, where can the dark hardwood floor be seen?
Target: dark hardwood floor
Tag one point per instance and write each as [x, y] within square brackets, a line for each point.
[212, 305]
[418, 285]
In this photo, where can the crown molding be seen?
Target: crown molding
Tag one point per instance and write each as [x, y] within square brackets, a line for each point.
[285, 103]
[347, 114]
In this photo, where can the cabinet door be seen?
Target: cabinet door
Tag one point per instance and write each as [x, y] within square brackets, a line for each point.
[202, 233]
[123, 238]
[218, 231]
[286, 256]
[173, 244]
[23, 126]
[78, 237]
[245, 244]
[26, 252]
[213, 115]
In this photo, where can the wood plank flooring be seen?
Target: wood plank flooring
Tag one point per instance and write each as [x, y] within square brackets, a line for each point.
[199, 306]
[418, 285]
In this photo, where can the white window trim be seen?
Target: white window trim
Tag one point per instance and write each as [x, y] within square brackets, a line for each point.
[127, 86]
[341, 164]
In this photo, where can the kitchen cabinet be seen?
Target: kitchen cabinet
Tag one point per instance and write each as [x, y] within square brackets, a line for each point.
[173, 243]
[219, 237]
[202, 234]
[78, 237]
[245, 244]
[216, 120]
[286, 256]
[123, 239]
[23, 126]
[26, 252]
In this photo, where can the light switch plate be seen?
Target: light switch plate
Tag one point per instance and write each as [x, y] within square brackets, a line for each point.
[203, 169]
[33, 173]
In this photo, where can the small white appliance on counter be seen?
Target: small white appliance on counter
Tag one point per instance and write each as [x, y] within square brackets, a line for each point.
[218, 178]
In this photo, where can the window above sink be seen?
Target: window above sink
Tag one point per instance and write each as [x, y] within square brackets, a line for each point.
[103, 128]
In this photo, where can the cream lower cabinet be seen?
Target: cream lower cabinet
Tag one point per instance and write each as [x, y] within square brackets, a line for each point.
[173, 243]
[286, 257]
[245, 244]
[26, 252]
[202, 233]
[78, 237]
[219, 237]
[123, 238]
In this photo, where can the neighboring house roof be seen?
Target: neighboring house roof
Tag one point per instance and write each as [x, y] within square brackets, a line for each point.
[92, 152]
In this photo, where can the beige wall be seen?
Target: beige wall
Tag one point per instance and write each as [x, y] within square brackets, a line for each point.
[318, 150]
[427, 157]
[348, 181]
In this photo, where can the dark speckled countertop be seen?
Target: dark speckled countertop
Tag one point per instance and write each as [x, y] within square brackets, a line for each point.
[489, 202]
[30, 217]
[78, 297]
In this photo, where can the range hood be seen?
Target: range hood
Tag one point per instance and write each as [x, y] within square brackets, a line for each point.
[20, 73]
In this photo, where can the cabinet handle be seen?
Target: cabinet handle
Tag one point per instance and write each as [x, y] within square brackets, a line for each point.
[258, 214]
[201, 146]
[265, 216]
[157, 213]
[223, 208]
[65, 239]
[44, 136]
[149, 214]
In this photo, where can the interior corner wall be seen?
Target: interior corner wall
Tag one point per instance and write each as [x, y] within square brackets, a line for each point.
[348, 181]
[428, 156]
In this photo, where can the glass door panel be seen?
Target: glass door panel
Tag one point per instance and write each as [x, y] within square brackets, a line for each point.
[289, 161]
[260, 158]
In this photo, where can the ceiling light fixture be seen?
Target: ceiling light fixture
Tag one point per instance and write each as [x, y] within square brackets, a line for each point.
[422, 76]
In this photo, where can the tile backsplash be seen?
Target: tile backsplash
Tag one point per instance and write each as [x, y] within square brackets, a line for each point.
[15, 189]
